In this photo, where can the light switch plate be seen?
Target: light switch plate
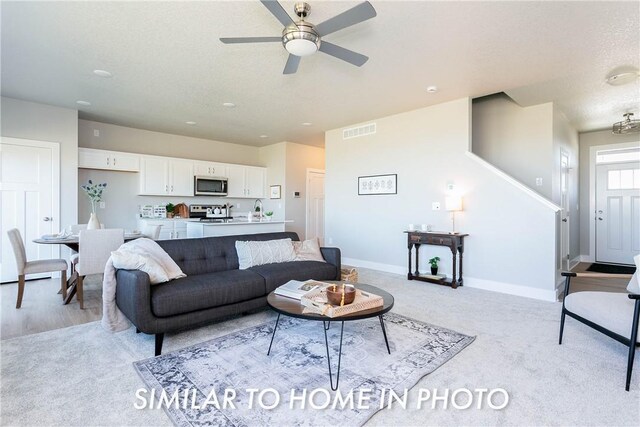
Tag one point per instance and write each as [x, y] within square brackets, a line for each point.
[103, 205]
[435, 206]
[539, 182]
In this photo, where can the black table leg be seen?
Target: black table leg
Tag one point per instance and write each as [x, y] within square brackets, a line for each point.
[326, 342]
[384, 332]
[274, 334]
[327, 325]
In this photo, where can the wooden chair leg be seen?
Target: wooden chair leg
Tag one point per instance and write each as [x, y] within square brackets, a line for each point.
[63, 284]
[79, 291]
[20, 290]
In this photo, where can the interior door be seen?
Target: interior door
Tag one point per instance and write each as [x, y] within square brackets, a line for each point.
[29, 188]
[315, 206]
[617, 212]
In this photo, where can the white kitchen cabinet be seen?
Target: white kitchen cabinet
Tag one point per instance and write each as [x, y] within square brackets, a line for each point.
[246, 181]
[162, 176]
[89, 158]
[210, 169]
[169, 228]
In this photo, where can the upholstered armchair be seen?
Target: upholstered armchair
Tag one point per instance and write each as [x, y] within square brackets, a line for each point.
[611, 313]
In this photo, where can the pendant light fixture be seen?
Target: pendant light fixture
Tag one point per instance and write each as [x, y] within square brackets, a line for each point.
[628, 125]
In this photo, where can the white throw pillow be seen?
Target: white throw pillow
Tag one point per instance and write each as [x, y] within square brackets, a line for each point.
[252, 253]
[634, 285]
[132, 261]
[309, 250]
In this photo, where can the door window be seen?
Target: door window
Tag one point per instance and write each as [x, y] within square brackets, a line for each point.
[623, 179]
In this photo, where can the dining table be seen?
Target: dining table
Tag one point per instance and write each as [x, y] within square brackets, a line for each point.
[73, 243]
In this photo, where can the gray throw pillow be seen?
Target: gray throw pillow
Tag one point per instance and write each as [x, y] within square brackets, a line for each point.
[252, 253]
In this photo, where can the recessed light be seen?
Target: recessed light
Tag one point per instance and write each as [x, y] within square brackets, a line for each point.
[191, 123]
[264, 136]
[620, 79]
[432, 89]
[83, 103]
[307, 124]
[102, 73]
[229, 104]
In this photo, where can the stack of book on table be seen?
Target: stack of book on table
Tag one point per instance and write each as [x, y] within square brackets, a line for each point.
[313, 296]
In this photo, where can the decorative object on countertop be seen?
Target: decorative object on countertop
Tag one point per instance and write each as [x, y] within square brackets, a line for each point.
[146, 211]
[274, 192]
[268, 215]
[434, 264]
[349, 275]
[170, 209]
[159, 211]
[94, 192]
[181, 211]
[377, 185]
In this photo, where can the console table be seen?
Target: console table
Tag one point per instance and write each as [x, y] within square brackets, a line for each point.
[455, 242]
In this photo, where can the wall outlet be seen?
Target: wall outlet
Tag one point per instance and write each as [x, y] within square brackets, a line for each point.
[237, 206]
[103, 205]
[96, 132]
[435, 206]
[331, 240]
[279, 205]
[538, 182]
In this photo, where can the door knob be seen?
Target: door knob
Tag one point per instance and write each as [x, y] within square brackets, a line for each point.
[47, 218]
[564, 219]
[600, 218]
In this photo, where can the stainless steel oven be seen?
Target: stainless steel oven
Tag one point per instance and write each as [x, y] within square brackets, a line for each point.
[210, 186]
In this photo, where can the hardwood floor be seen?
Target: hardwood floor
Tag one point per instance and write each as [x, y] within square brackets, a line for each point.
[42, 308]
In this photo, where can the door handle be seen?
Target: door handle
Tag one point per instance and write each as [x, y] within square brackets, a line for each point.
[600, 218]
[47, 218]
[564, 219]
[114, 161]
[172, 188]
[107, 161]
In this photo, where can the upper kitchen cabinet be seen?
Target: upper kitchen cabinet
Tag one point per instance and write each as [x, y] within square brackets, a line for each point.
[211, 169]
[89, 158]
[246, 181]
[161, 176]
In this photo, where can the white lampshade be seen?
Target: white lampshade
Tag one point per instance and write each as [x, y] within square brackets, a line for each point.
[453, 203]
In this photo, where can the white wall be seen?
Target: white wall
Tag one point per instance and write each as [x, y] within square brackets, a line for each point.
[511, 243]
[121, 138]
[299, 159]
[516, 140]
[29, 120]
[588, 140]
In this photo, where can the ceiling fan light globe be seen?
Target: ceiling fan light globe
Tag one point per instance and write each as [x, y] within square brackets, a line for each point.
[301, 47]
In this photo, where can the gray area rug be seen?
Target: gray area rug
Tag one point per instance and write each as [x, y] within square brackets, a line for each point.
[298, 361]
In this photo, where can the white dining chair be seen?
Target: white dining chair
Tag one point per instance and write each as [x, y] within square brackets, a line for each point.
[152, 231]
[95, 249]
[74, 229]
[32, 267]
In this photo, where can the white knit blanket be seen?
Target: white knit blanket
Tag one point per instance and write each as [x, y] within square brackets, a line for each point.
[140, 254]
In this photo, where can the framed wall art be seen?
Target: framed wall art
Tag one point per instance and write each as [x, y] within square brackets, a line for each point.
[377, 185]
[274, 192]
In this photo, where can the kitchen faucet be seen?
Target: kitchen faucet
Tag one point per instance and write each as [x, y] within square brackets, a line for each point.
[258, 203]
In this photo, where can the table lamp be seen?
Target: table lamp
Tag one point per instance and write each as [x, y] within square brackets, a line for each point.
[453, 204]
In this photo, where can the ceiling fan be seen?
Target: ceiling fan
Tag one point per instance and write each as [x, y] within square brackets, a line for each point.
[302, 38]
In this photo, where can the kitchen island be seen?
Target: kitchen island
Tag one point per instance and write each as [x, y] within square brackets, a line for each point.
[214, 229]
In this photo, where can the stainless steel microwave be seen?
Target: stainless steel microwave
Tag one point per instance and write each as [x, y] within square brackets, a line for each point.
[210, 186]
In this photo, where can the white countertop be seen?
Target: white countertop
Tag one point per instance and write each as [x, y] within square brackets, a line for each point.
[243, 222]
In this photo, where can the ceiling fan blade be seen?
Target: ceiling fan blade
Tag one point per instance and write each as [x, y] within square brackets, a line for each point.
[292, 64]
[350, 56]
[277, 10]
[353, 16]
[230, 40]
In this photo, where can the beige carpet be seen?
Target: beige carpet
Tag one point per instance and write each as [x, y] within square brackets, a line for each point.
[84, 376]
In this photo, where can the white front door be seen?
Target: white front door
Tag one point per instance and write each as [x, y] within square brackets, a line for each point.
[617, 213]
[29, 188]
[315, 206]
[565, 214]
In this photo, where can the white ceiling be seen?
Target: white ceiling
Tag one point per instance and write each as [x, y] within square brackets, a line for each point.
[169, 66]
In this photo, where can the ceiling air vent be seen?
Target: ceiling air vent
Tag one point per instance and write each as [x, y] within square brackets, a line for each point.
[356, 132]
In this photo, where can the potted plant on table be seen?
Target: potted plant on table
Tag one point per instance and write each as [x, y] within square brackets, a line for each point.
[170, 210]
[94, 192]
[434, 265]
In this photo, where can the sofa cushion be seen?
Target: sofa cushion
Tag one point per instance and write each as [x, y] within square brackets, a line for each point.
[203, 291]
[278, 274]
[613, 311]
[252, 253]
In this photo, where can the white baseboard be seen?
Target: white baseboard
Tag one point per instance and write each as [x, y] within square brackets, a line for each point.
[511, 289]
[488, 285]
[587, 258]
[389, 268]
[575, 262]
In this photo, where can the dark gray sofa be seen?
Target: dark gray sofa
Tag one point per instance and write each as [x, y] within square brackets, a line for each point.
[214, 287]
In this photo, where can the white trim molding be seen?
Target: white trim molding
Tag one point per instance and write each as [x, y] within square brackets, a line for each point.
[388, 268]
[512, 289]
[575, 262]
[508, 178]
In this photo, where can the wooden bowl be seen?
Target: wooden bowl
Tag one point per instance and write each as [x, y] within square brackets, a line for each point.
[335, 297]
